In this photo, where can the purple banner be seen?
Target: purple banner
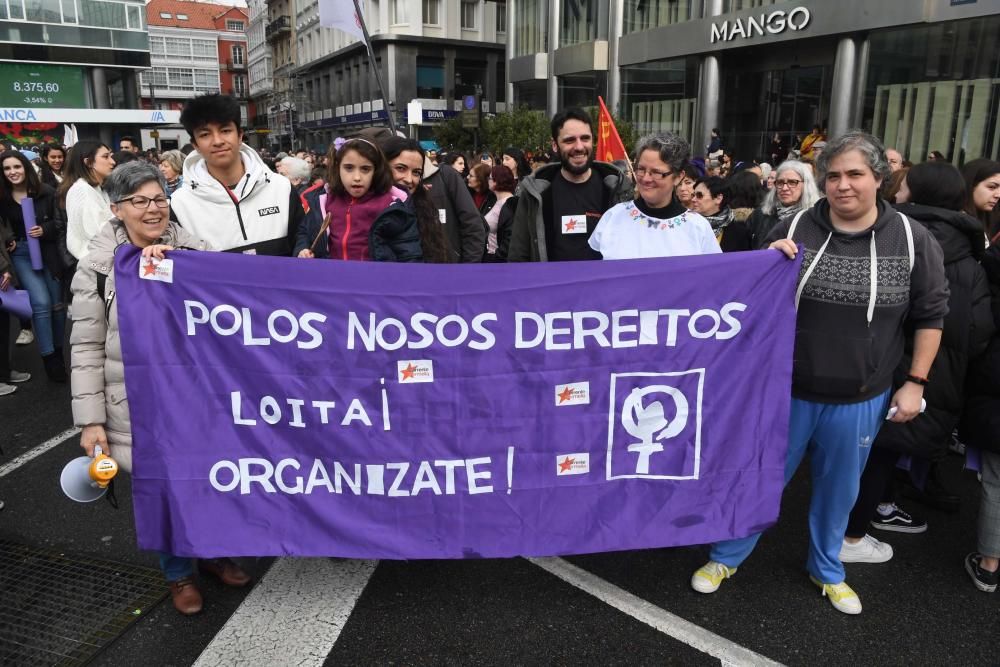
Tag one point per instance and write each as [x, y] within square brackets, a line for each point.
[34, 247]
[324, 408]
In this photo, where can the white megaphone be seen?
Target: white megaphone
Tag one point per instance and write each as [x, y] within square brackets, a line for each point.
[86, 479]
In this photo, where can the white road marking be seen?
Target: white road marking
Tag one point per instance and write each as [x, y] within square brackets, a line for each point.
[293, 616]
[38, 451]
[729, 653]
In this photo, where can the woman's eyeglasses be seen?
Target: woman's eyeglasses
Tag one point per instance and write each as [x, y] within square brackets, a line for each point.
[790, 183]
[655, 173]
[143, 202]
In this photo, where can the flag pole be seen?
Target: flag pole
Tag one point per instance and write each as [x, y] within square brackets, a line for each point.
[371, 58]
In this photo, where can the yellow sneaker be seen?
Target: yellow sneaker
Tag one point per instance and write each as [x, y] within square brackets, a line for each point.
[709, 576]
[842, 597]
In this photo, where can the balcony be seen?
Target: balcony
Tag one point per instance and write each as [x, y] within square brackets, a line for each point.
[278, 28]
[233, 66]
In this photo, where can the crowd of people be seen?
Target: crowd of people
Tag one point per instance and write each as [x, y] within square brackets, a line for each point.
[897, 352]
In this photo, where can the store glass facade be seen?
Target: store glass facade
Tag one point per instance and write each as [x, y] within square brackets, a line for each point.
[531, 27]
[936, 88]
[646, 14]
[582, 89]
[530, 94]
[661, 96]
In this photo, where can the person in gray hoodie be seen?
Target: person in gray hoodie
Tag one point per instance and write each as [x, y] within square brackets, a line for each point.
[560, 205]
[867, 272]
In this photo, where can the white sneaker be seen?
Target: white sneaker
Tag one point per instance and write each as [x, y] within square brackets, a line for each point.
[26, 337]
[7, 389]
[17, 377]
[868, 550]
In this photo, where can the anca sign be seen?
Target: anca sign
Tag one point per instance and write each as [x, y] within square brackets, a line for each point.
[774, 23]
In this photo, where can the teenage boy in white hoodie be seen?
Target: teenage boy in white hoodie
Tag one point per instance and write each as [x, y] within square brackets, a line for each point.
[229, 197]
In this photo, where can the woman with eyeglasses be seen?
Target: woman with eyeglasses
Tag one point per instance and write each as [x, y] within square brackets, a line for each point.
[87, 205]
[141, 213]
[794, 190]
[655, 223]
[48, 311]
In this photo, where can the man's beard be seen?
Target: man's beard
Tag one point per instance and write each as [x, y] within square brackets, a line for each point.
[573, 169]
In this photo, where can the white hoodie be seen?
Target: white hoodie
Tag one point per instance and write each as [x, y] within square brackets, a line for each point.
[258, 216]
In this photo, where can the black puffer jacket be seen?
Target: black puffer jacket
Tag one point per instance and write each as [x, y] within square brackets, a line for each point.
[980, 425]
[967, 331]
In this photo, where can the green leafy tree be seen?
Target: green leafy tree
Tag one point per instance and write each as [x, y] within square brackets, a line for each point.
[522, 128]
[450, 135]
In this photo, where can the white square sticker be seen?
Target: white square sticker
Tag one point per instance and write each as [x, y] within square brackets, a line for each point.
[575, 393]
[442, 216]
[574, 224]
[157, 269]
[573, 464]
[415, 370]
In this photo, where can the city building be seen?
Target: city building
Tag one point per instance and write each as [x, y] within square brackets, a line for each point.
[73, 62]
[922, 76]
[260, 73]
[196, 48]
[433, 51]
[280, 35]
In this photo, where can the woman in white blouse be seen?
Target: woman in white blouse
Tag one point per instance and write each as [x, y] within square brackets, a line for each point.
[87, 205]
[655, 224]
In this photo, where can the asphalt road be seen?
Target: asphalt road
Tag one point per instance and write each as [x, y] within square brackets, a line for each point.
[919, 608]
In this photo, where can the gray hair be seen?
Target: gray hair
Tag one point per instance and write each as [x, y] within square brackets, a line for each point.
[175, 159]
[870, 148]
[129, 177]
[810, 192]
[296, 168]
[671, 148]
[765, 170]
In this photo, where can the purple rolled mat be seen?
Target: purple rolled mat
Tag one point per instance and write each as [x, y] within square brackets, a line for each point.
[16, 303]
[34, 246]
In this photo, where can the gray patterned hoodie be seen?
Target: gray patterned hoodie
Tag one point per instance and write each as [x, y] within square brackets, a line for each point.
[855, 292]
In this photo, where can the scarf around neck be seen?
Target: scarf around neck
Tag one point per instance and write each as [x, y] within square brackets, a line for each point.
[785, 212]
[720, 220]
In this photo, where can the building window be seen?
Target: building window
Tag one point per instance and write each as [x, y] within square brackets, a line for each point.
[661, 96]
[397, 14]
[205, 50]
[469, 12]
[502, 16]
[134, 15]
[237, 55]
[430, 78]
[240, 85]
[936, 88]
[738, 5]
[234, 26]
[98, 14]
[166, 15]
[69, 11]
[531, 21]
[432, 12]
[583, 21]
[43, 11]
[646, 14]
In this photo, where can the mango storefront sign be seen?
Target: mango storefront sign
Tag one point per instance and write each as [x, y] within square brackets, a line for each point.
[125, 116]
[773, 23]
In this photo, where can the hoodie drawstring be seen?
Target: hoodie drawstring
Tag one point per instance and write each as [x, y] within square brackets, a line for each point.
[872, 281]
[809, 271]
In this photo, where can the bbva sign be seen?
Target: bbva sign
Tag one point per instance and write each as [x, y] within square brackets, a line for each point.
[774, 23]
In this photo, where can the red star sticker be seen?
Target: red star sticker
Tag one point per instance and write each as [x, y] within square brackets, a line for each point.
[566, 464]
[149, 269]
[408, 372]
[565, 395]
[571, 225]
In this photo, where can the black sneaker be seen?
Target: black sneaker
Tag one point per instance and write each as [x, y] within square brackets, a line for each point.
[984, 581]
[899, 521]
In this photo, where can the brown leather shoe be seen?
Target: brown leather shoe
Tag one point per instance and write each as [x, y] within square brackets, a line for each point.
[187, 597]
[226, 570]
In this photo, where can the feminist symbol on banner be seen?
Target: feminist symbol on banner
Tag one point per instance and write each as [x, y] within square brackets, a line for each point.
[649, 423]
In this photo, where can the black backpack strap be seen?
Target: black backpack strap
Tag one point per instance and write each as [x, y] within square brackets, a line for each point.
[102, 286]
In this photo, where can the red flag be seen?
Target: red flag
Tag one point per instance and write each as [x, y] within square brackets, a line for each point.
[609, 144]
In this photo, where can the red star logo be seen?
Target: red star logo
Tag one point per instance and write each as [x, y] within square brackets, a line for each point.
[566, 464]
[149, 269]
[408, 372]
[565, 395]
[571, 225]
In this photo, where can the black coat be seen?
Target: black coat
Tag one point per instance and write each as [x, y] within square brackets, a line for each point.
[968, 328]
[980, 426]
[760, 225]
[53, 226]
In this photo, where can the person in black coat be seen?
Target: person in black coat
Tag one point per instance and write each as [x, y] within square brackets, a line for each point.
[980, 429]
[18, 183]
[933, 193]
